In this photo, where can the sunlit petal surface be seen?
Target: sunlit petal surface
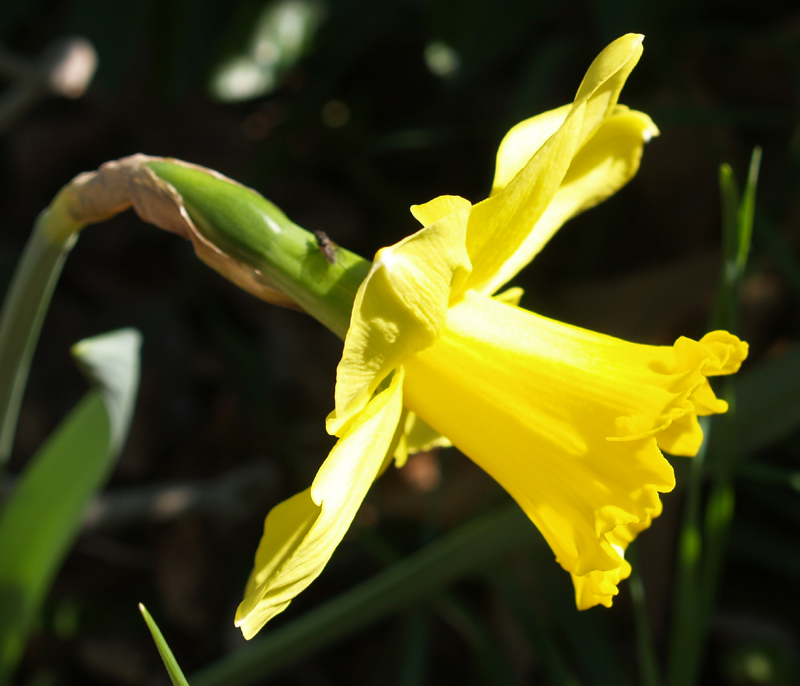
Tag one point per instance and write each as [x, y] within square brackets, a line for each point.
[400, 308]
[418, 436]
[301, 533]
[499, 225]
[568, 421]
[603, 165]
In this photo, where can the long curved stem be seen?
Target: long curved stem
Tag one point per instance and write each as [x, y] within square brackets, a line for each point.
[25, 305]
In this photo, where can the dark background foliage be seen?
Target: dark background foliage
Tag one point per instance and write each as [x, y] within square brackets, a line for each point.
[357, 126]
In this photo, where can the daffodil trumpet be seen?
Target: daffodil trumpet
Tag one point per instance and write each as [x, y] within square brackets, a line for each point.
[570, 422]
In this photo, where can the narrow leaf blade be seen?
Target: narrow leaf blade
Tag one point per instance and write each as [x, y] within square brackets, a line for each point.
[173, 669]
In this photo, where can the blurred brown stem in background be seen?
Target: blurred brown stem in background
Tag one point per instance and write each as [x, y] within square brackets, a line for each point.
[232, 495]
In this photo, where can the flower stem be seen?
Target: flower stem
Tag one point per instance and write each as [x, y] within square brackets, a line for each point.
[23, 312]
[649, 672]
[322, 279]
[687, 634]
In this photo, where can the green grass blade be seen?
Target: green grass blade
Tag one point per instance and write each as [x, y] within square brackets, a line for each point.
[414, 648]
[729, 196]
[686, 641]
[747, 210]
[721, 499]
[174, 671]
[702, 551]
[649, 671]
[756, 474]
[21, 320]
[413, 578]
[42, 517]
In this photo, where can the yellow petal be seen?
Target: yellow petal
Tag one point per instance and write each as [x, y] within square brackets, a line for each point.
[621, 134]
[599, 587]
[301, 533]
[717, 353]
[400, 308]
[605, 78]
[417, 437]
[522, 142]
[605, 163]
[438, 208]
[499, 225]
[566, 420]
[512, 296]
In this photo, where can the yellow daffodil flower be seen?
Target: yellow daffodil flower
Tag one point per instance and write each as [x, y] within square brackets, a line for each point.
[570, 422]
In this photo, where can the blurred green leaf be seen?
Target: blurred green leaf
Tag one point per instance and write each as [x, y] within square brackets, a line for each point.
[755, 474]
[174, 671]
[484, 645]
[746, 213]
[482, 34]
[776, 550]
[781, 251]
[591, 643]
[414, 648]
[539, 636]
[729, 195]
[738, 212]
[42, 517]
[768, 401]
[277, 38]
[649, 670]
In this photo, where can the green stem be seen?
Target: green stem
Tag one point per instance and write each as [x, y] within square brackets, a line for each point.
[686, 640]
[24, 308]
[649, 672]
[322, 279]
[719, 509]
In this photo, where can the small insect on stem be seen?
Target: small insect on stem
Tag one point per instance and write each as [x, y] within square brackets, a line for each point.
[326, 246]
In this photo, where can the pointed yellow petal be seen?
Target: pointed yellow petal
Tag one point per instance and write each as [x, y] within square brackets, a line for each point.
[301, 533]
[400, 308]
[605, 78]
[522, 142]
[438, 208]
[499, 225]
[566, 420]
[417, 437]
[605, 163]
[511, 296]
